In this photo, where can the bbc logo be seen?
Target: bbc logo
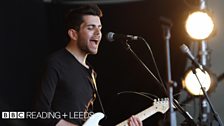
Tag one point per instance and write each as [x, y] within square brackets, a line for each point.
[13, 115]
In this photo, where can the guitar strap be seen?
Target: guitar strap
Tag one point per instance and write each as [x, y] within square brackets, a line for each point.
[93, 76]
[93, 84]
[97, 93]
[92, 80]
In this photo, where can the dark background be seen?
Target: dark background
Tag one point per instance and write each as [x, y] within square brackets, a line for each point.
[30, 30]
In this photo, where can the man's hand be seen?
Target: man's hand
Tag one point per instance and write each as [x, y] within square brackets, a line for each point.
[134, 121]
[62, 122]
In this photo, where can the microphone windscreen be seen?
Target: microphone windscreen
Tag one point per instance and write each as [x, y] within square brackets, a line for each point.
[110, 36]
[184, 48]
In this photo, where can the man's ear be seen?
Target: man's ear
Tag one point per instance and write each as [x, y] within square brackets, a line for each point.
[73, 34]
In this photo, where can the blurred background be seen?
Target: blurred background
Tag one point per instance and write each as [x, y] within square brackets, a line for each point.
[30, 30]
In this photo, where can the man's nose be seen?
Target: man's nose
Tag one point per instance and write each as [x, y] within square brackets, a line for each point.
[97, 31]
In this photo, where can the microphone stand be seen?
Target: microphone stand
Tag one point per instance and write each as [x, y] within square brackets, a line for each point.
[170, 83]
[216, 115]
[190, 121]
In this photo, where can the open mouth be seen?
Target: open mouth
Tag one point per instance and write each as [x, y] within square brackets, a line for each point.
[94, 43]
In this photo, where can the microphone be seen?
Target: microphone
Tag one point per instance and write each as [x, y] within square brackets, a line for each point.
[111, 36]
[187, 51]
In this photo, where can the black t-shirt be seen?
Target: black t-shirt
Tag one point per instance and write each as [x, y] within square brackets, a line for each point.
[65, 88]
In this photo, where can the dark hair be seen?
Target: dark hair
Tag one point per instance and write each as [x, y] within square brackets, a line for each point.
[75, 16]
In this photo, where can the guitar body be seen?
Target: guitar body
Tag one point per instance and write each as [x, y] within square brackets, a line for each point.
[94, 119]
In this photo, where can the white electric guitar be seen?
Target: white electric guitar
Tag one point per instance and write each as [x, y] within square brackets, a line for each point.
[158, 106]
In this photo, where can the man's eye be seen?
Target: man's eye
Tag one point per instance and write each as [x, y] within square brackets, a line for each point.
[90, 28]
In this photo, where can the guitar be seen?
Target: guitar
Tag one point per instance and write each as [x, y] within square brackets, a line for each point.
[158, 106]
[94, 119]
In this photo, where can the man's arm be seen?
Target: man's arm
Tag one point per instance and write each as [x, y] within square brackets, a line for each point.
[46, 93]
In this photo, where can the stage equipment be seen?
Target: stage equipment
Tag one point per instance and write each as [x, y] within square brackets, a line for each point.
[169, 82]
[187, 116]
[191, 84]
[199, 24]
[198, 81]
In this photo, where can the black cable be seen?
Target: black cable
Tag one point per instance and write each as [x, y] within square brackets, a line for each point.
[220, 77]
[128, 48]
[139, 93]
[154, 62]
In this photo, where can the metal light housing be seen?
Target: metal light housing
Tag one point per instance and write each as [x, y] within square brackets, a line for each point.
[191, 84]
[199, 25]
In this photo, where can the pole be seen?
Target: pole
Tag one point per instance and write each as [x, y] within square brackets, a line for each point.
[170, 84]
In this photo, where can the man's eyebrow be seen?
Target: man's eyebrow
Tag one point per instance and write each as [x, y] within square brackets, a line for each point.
[94, 25]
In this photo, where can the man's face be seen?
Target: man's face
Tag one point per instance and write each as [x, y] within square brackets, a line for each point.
[89, 35]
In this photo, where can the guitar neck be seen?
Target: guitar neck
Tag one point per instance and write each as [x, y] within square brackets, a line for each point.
[142, 115]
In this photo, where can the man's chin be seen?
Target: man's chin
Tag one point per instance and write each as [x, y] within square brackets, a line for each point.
[93, 52]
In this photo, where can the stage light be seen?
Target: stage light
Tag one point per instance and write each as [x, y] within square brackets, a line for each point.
[192, 85]
[199, 25]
